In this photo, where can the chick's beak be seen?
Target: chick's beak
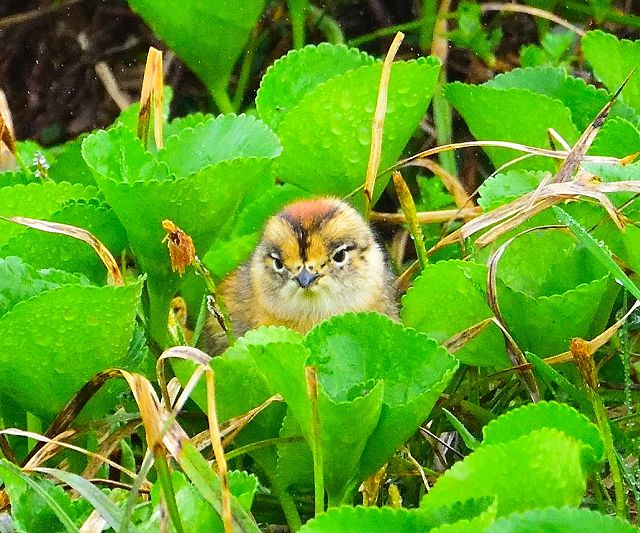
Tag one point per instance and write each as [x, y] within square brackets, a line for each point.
[306, 278]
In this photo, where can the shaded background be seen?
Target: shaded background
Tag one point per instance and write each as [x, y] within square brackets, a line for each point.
[56, 57]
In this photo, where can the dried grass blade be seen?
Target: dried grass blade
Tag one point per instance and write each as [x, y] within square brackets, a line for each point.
[451, 182]
[149, 86]
[187, 353]
[183, 450]
[377, 125]
[498, 144]
[43, 439]
[576, 155]
[114, 274]
[218, 451]
[6, 133]
[73, 407]
[426, 217]
[515, 221]
[536, 12]
[158, 97]
[513, 350]
[460, 340]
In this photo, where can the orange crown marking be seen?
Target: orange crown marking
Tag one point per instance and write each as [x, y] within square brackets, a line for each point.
[307, 210]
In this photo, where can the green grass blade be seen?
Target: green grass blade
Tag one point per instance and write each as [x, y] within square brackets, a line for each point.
[107, 509]
[66, 520]
[598, 249]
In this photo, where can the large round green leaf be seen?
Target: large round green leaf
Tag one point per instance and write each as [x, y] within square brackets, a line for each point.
[449, 297]
[552, 290]
[540, 469]
[326, 137]
[291, 77]
[207, 36]
[612, 60]
[517, 115]
[377, 382]
[54, 342]
[583, 100]
[528, 418]
[354, 352]
[564, 520]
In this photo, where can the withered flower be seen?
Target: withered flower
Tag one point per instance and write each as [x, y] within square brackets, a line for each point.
[180, 245]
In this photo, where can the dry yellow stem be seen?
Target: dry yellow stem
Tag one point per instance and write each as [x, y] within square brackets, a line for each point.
[377, 126]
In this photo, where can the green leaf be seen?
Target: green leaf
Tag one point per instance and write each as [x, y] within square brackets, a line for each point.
[546, 299]
[565, 520]
[465, 510]
[617, 138]
[612, 60]
[476, 524]
[471, 33]
[504, 187]
[196, 513]
[449, 297]
[20, 281]
[36, 200]
[224, 138]
[354, 352]
[208, 37]
[548, 464]
[517, 115]
[178, 124]
[326, 137]
[203, 478]
[43, 250]
[294, 468]
[68, 164]
[584, 101]
[54, 342]
[293, 76]
[239, 383]
[374, 390]
[469, 440]
[554, 50]
[563, 266]
[371, 519]
[528, 418]
[346, 519]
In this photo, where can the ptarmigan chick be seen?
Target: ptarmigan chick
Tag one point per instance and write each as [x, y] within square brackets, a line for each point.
[316, 259]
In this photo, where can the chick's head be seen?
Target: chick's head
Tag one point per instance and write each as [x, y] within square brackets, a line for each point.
[316, 259]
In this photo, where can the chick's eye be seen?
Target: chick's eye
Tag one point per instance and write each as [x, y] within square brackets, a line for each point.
[278, 265]
[339, 257]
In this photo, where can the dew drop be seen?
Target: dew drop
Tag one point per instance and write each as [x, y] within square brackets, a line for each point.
[364, 136]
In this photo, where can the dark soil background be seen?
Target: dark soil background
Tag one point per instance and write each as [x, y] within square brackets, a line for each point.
[49, 52]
